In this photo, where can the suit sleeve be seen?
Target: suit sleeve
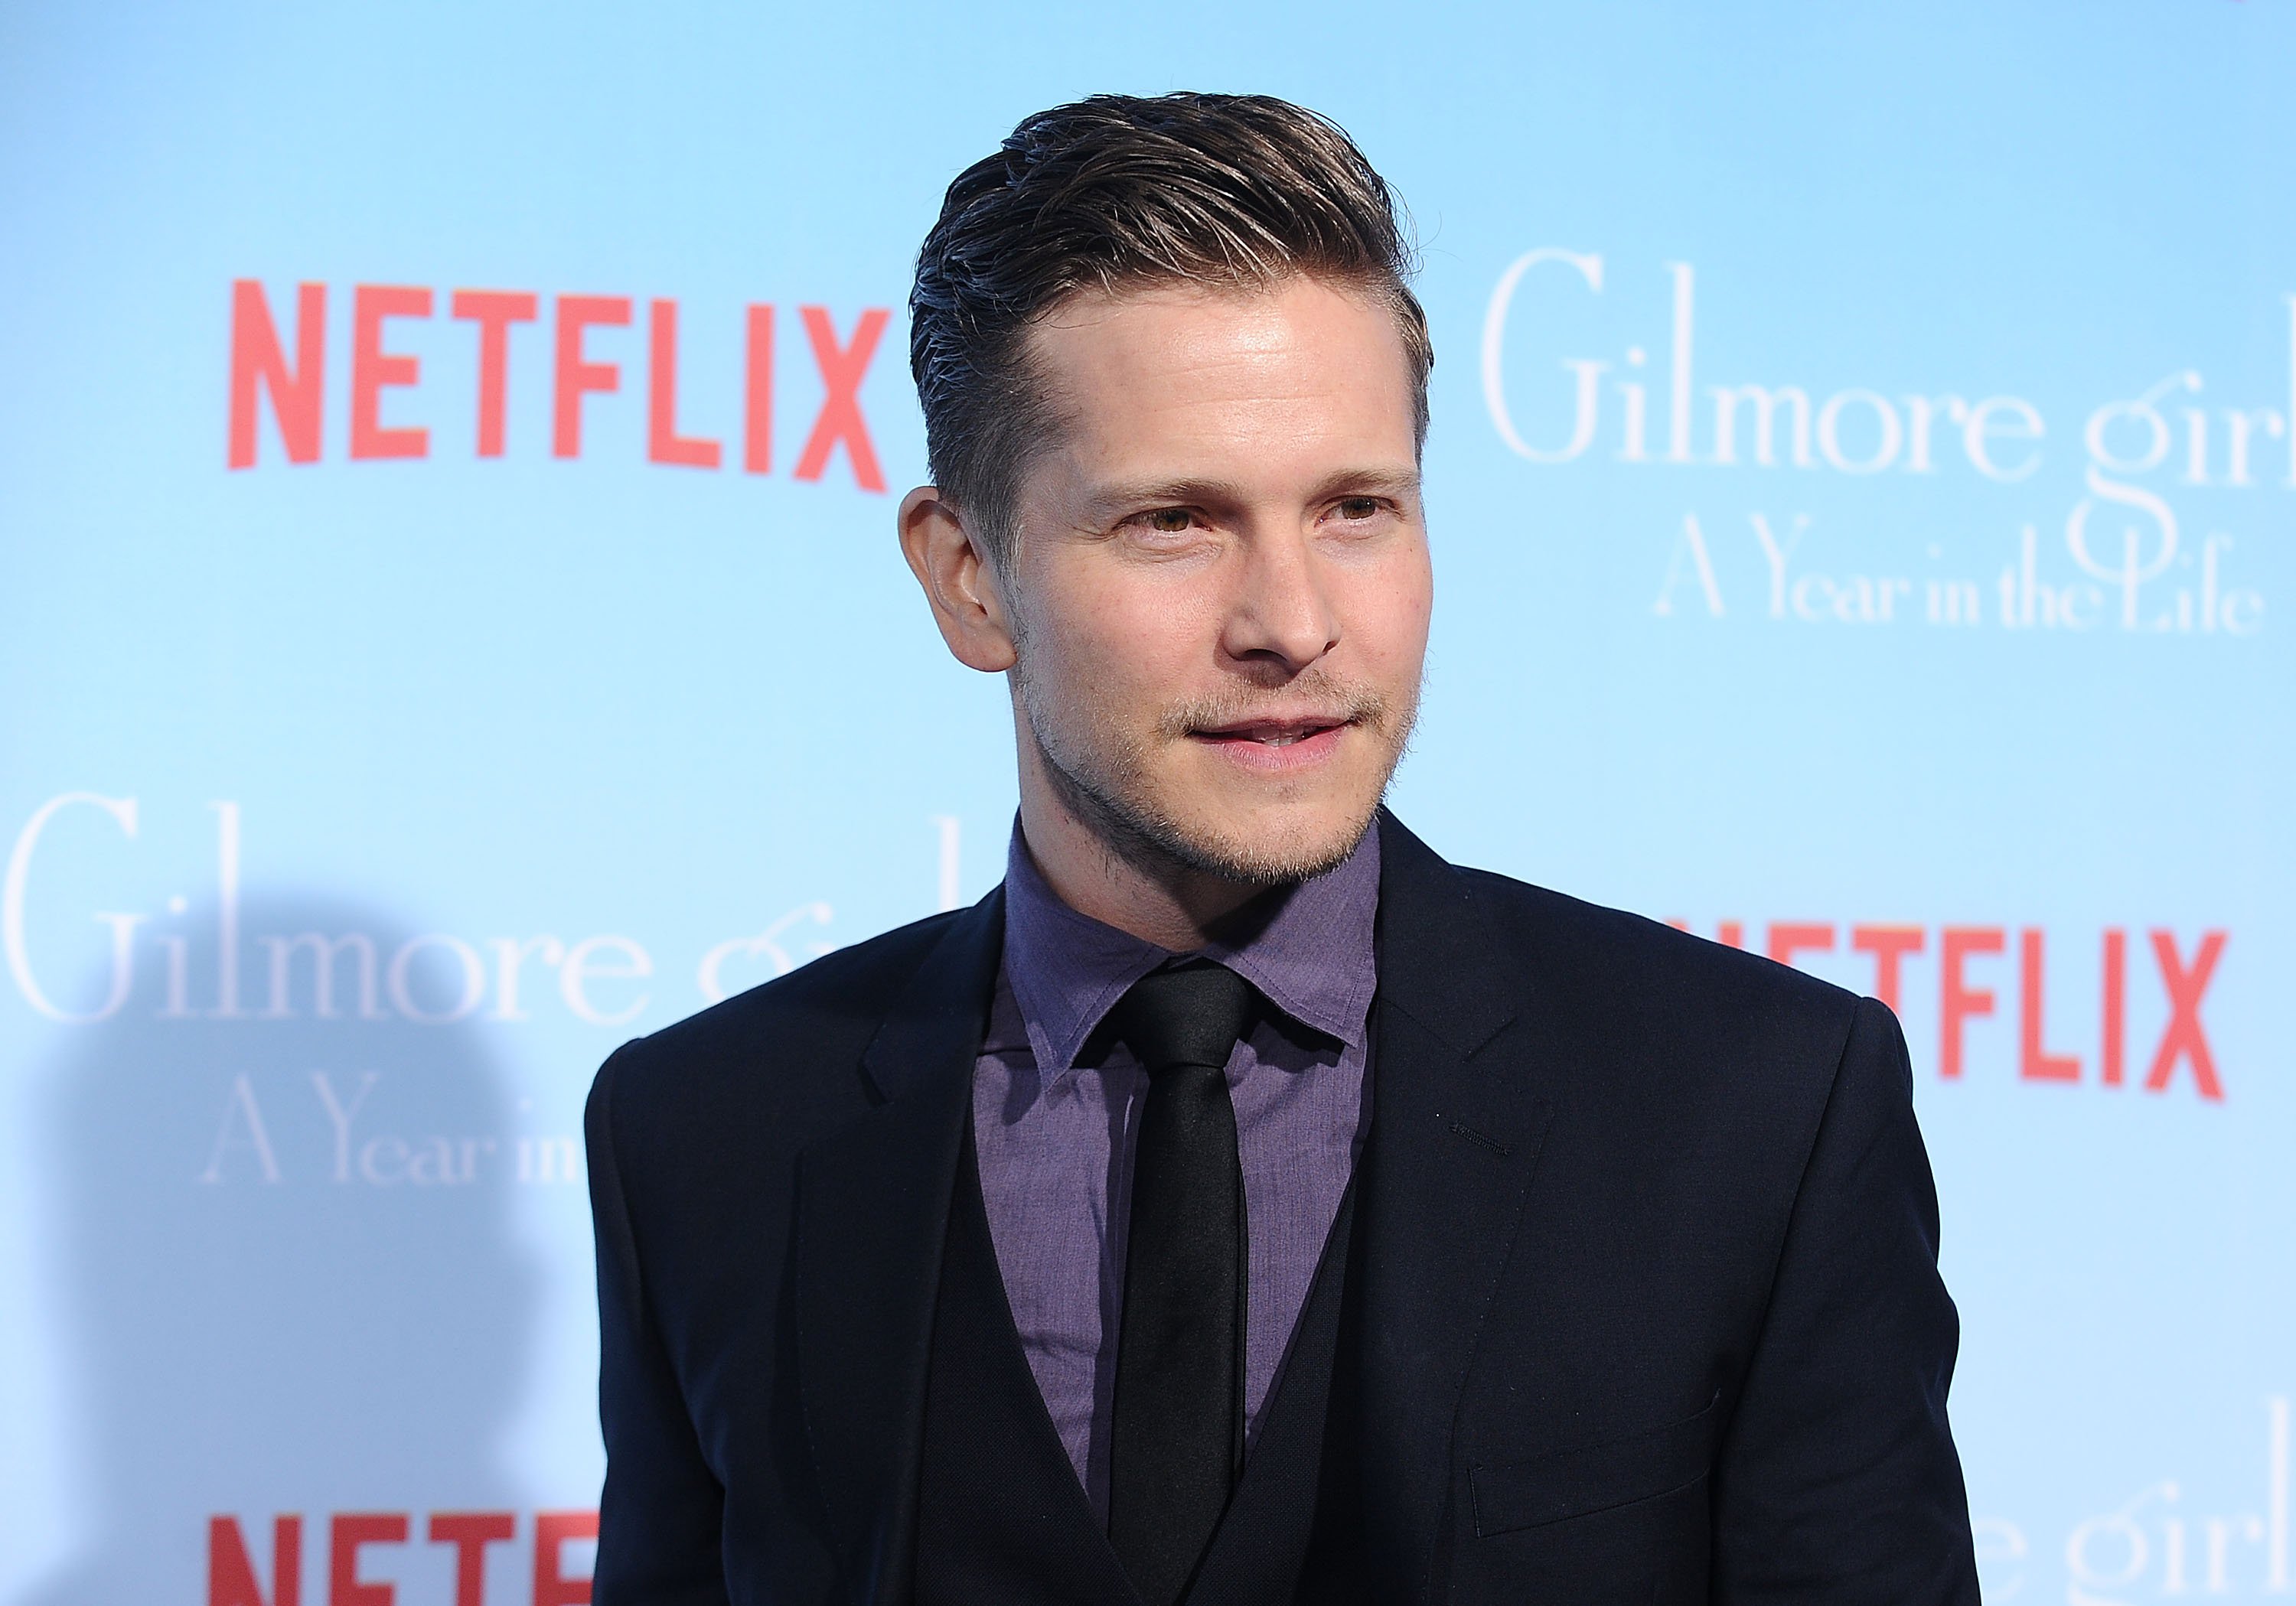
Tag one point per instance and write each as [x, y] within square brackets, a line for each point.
[659, 1518]
[1837, 1481]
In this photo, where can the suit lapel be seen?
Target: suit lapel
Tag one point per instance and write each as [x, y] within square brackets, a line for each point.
[1456, 1127]
[873, 1215]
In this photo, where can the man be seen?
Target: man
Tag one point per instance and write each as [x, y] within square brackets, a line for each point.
[1242, 1204]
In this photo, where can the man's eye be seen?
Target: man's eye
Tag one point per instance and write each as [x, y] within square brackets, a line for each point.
[1169, 520]
[1360, 508]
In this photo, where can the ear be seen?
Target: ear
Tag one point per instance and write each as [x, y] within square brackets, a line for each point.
[957, 581]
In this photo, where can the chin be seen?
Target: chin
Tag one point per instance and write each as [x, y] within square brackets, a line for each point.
[1173, 810]
[1271, 845]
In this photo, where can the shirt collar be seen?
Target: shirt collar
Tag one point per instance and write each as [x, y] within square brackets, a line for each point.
[1310, 953]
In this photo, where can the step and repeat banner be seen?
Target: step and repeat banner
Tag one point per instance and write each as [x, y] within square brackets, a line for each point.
[450, 622]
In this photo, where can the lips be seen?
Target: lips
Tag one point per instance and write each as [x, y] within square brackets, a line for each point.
[1274, 733]
[1276, 748]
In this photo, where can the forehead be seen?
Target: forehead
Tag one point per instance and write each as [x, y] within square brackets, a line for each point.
[1183, 379]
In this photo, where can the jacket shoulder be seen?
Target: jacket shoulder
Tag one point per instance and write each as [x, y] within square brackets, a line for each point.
[845, 985]
[1656, 981]
[779, 1040]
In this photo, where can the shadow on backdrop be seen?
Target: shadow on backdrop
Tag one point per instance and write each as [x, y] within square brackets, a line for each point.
[287, 1276]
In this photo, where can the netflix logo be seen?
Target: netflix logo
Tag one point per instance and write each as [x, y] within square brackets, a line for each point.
[280, 366]
[1974, 966]
[355, 1538]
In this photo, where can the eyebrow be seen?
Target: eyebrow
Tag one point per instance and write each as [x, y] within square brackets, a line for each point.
[1168, 493]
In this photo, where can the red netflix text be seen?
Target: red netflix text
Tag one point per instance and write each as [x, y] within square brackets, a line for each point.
[235, 1577]
[1975, 965]
[279, 364]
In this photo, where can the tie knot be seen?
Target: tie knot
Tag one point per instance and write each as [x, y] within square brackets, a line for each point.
[1191, 1015]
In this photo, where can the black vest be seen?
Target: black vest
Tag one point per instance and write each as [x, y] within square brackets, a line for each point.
[1002, 1518]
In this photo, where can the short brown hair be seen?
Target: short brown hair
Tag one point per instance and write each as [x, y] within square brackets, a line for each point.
[1114, 194]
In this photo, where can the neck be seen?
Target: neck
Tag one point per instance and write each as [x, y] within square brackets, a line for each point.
[1155, 899]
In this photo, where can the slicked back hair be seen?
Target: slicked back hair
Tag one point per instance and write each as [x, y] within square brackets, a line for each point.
[1119, 194]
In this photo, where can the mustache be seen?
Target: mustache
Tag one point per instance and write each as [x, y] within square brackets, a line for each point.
[1310, 695]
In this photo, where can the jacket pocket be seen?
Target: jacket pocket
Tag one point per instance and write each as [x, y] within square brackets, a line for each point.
[1516, 1495]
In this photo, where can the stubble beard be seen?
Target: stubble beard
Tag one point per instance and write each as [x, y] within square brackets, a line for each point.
[1105, 776]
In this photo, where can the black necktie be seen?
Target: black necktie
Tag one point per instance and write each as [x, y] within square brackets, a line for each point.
[1177, 1444]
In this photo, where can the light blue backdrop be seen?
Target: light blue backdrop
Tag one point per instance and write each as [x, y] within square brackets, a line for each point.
[258, 1263]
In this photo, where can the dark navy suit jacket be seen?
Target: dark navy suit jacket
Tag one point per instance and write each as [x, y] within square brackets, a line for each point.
[1644, 1305]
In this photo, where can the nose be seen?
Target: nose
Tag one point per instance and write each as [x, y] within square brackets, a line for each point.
[1281, 620]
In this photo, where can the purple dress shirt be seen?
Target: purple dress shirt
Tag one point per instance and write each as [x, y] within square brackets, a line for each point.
[1055, 1138]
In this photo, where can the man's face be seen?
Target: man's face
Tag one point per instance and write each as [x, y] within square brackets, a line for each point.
[1220, 588]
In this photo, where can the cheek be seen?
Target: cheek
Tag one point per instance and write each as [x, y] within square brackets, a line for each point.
[1109, 646]
[1390, 609]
